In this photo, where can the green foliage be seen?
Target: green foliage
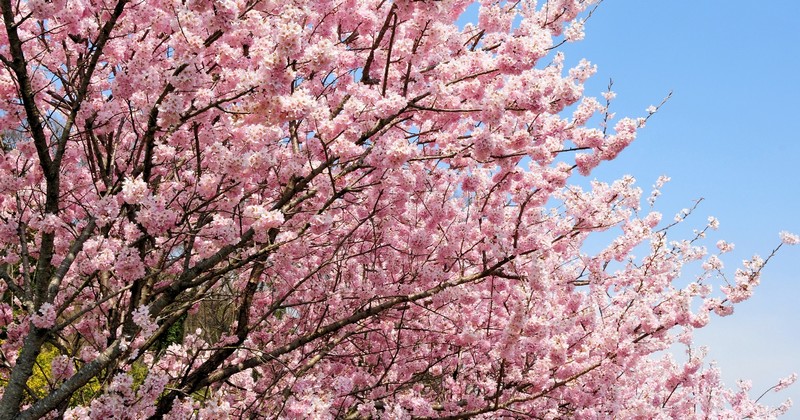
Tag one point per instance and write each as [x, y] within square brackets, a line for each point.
[42, 383]
[138, 371]
[174, 334]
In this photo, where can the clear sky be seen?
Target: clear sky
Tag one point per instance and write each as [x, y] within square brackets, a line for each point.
[728, 135]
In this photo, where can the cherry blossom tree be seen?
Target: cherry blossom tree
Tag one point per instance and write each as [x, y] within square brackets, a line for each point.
[335, 209]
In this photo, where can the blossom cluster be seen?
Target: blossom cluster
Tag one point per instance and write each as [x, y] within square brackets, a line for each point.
[337, 209]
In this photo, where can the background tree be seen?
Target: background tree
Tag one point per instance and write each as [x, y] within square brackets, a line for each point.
[369, 204]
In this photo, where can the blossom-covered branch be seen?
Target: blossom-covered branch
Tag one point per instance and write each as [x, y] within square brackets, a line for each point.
[333, 209]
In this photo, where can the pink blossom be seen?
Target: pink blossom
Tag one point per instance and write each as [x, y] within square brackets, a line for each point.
[46, 317]
[586, 162]
[129, 265]
[724, 246]
[207, 185]
[76, 413]
[61, 367]
[785, 382]
[713, 263]
[182, 409]
[263, 220]
[50, 223]
[6, 314]
[343, 385]
[723, 310]
[141, 317]
[789, 238]
[371, 210]
[574, 32]
[134, 190]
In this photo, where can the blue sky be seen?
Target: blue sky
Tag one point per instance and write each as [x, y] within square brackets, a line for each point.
[728, 136]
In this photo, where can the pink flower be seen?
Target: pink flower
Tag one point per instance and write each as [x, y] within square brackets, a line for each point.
[586, 162]
[141, 317]
[61, 367]
[129, 266]
[343, 384]
[264, 220]
[46, 317]
[207, 186]
[50, 223]
[76, 413]
[785, 382]
[789, 238]
[134, 190]
[713, 263]
[724, 246]
[434, 224]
